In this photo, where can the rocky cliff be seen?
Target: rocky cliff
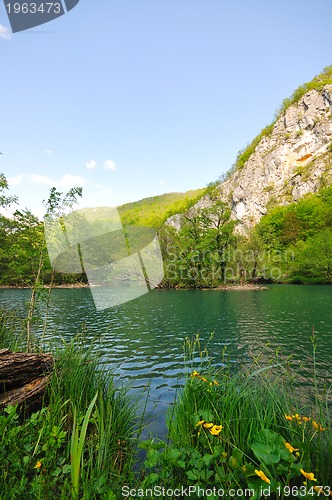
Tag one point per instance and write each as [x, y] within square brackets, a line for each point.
[295, 158]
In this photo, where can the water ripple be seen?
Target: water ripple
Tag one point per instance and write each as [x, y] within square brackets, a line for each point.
[145, 338]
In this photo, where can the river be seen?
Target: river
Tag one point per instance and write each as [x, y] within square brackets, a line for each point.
[144, 338]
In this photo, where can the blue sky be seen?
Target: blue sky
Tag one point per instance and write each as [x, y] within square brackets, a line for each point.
[136, 98]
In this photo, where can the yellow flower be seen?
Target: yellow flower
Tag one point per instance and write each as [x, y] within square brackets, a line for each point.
[244, 468]
[215, 382]
[306, 419]
[261, 474]
[288, 417]
[38, 465]
[215, 430]
[290, 448]
[201, 422]
[318, 427]
[308, 475]
[207, 425]
[314, 424]
[194, 374]
[319, 489]
[204, 379]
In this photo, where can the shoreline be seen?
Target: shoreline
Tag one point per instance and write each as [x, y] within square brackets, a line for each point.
[67, 285]
[246, 287]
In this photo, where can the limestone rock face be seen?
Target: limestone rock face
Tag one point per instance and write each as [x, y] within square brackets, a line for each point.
[294, 160]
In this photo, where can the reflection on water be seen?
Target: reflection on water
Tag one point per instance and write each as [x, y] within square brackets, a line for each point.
[145, 338]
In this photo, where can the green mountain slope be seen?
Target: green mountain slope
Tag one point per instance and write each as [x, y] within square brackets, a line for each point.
[153, 212]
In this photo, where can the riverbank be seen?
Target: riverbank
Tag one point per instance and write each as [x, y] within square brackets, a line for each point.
[235, 400]
[65, 285]
[245, 287]
[227, 432]
[80, 444]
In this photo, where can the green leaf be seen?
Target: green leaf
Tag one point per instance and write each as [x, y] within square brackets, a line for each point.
[153, 477]
[173, 453]
[151, 443]
[268, 446]
[238, 455]
[152, 458]
[191, 475]
[206, 415]
[66, 469]
[207, 459]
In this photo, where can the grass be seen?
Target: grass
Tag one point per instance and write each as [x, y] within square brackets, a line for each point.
[11, 330]
[242, 430]
[82, 441]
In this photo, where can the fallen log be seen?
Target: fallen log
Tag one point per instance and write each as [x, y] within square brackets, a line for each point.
[23, 378]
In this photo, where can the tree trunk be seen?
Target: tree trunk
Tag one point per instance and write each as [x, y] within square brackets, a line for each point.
[23, 378]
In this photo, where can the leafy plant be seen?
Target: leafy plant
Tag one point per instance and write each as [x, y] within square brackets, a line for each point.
[76, 450]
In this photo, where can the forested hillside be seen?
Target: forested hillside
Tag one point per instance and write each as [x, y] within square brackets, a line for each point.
[290, 244]
[269, 219]
[23, 252]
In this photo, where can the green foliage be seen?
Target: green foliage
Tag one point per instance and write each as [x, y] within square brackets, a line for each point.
[318, 83]
[42, 453]
[76, 449]
[196, 255]
[153, 212]
[5, 200]
[11, 330]
[244, 154]
[236, 431]
[33, 462]
[23, 256]
[305, 230]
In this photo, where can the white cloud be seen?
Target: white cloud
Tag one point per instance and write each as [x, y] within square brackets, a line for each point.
[91, 164]
[42, 179]
[109, 164]
[48, 151]
[162, 182]
[15, 181]
[68, 181]
[5, 33]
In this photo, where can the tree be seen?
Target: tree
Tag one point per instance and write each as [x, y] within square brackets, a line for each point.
[218, 232]
[5, 200]
[197, 253]
[56, 206]
[314, 257]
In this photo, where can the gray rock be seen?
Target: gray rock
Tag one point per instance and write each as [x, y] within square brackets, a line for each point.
[293, 161]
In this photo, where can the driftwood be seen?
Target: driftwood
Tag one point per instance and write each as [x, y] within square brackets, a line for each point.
[23, 378]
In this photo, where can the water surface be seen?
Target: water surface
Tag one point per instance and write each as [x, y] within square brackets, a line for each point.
[144, 338]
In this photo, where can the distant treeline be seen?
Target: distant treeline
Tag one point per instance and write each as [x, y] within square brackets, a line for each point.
[291, 244]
